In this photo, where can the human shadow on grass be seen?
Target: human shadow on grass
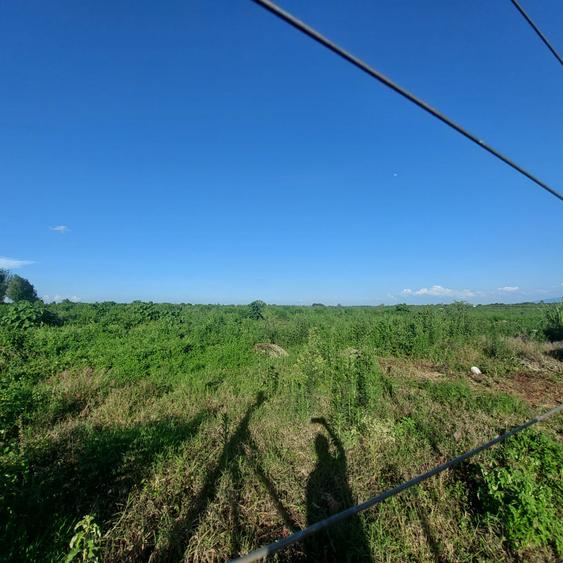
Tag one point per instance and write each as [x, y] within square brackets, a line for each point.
[288, 519]
[239, 449]
[329, 492]
[231, 454]
[237, 483]
[87, 470]
[433, 543]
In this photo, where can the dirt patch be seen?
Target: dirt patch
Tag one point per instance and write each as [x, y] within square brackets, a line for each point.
[272, 350]
[534, 388]
[538, 382]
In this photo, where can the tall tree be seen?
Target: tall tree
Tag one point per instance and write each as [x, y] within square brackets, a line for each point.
[19, 289]
[4, 277]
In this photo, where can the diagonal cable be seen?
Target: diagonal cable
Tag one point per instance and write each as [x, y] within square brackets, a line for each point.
[518, 6]
[304, 28]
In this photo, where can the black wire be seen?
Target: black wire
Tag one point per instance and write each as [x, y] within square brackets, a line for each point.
[293, 21]
[538, 31]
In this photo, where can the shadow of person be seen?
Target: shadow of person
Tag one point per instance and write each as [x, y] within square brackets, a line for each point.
[233, 451]
[328, 492]
[431, 540]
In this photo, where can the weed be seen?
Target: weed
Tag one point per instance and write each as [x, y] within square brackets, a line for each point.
[519, 487]
[85, 544]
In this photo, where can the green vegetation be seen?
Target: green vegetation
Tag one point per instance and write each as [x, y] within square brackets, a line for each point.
[554, 322]
[20, 289]
[161, 431]
[85, 544]
[256, 310]
[520, 488]
[4, 277]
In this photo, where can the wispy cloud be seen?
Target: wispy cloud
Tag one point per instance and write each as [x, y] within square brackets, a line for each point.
[62, 229]
[440, 291]
[13, 263]
[508, 289]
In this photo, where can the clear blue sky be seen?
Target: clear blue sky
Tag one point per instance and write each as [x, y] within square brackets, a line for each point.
[206, 152]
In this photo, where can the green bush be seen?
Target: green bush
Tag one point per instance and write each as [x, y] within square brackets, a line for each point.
[256, 310]
[24, 314]
[554, 322]
[520, 487]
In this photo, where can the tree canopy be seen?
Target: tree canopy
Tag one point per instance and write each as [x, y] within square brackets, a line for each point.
[4, 276]
[20, 289]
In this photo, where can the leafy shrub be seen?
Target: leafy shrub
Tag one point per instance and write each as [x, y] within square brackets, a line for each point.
[24, 314]
[520, 487]
[18, 401]
[554, 322]
[256, 310]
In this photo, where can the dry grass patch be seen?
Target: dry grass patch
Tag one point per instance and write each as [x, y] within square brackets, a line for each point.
[269, 349]
[77, 392]
[537, 356]
[416, 369]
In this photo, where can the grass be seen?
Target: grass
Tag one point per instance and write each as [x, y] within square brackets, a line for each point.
[183, 443]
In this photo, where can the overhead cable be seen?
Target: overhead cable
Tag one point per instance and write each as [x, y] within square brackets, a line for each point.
[307, 30]
[538, 31]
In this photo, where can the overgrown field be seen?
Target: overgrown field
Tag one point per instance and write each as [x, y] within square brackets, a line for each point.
[168, 435]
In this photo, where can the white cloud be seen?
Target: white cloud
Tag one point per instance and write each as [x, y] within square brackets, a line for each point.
[509, 289]
[440, 291]
[13, 263]
[58, 298]
[62, 229]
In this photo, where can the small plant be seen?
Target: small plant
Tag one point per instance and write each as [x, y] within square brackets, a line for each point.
[85, 544]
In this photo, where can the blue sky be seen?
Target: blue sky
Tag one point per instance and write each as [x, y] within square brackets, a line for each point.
[206, 152]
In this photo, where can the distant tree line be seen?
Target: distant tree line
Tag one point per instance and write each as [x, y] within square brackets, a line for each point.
[16, 288]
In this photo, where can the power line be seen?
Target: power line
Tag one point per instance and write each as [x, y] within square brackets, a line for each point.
[537, 30]
[266, 550]
[298, 24]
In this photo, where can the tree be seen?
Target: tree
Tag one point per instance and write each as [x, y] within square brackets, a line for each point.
[255, 310]
[19, 289]
[4, 277]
